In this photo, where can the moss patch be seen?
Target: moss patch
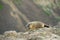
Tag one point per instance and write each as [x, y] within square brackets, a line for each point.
[1, 6]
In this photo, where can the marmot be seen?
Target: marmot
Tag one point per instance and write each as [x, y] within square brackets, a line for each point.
[36, 24]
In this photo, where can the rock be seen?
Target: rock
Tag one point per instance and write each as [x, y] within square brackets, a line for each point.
[40, 34]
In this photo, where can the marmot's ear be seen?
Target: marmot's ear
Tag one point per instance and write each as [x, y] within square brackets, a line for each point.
[46, 26]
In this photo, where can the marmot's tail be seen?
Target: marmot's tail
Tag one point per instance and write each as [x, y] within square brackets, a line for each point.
[46, 26]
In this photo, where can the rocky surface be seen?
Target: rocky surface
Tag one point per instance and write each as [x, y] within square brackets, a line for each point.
[40, 34]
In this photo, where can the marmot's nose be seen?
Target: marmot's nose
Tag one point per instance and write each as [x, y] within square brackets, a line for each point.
[46, 26]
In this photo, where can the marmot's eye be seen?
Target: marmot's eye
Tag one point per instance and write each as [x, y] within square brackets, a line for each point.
[46, 26]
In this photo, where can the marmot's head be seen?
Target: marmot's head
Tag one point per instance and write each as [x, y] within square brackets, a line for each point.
[36, 24]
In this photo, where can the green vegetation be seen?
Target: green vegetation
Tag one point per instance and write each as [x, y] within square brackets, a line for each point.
[18, 2]
[58, 3]
[58, 18]
[47, 11]
[48, 6]
[1, 6]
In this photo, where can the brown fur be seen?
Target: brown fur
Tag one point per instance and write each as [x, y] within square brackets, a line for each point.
[36, 24]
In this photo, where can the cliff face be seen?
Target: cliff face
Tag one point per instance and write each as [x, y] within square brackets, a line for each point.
[17, 13]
